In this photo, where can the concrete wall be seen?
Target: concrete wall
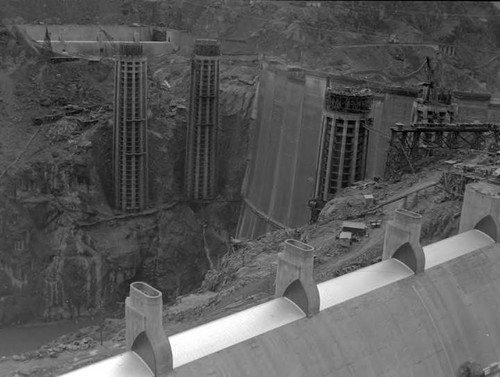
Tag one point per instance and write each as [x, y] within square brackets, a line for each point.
[87, 32]
[471, 110]
[89, 48]
[494, 112]
[93, 33]
[476, 106]
[284, 151]
[388, 109]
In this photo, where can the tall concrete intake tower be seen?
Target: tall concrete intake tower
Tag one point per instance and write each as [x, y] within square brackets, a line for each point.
[130, 147]
[344, 140]
[200, 177]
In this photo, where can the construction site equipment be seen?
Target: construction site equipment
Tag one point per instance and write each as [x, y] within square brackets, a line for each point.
[457, 176]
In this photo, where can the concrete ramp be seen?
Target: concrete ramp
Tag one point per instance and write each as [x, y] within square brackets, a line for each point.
[127, 364]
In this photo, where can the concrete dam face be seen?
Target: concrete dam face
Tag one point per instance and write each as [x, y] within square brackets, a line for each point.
[282, 171]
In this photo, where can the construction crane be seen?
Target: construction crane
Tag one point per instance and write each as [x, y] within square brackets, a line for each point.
[428, 86]
[432, 91]
[110, 40]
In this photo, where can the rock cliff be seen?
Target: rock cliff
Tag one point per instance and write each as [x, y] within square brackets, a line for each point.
[64, 251]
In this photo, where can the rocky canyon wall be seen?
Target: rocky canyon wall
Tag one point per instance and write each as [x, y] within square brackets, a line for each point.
[64, 252]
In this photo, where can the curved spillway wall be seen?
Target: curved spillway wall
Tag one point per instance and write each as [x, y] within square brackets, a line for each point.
[127, 364]
[217, 335]
[425, 325]
[284, 152]
[418, 325]
[377, 319]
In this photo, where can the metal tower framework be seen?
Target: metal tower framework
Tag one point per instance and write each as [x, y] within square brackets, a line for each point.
[130, 147]
[411, 143]
[344, 142]
[203, 122]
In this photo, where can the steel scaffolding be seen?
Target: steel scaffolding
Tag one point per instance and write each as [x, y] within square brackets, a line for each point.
[409, 144]
[130, 147]
[200, 181]
[344, 142]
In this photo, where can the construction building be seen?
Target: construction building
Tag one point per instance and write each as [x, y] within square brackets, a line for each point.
[130, 147]
[344, 140]
[356, 228]
[203, 121]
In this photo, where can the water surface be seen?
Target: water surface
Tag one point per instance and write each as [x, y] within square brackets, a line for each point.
[19, 339]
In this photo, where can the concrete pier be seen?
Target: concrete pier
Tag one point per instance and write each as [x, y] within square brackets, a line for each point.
[294, 278]
[144, 325]
[481, 209]
[402, 240]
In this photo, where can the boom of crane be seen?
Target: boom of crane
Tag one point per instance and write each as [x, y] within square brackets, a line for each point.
[432, 91]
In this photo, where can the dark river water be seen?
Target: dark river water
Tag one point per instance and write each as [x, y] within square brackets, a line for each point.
[15, 340]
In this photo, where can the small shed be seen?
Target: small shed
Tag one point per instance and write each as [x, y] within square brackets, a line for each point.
[356, 228]
[369, 200]
[345, 239]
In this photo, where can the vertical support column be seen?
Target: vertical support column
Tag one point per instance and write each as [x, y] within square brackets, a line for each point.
[320, 172]
[333, 130]
[130, 164]
[294, 278]
[203, 122]
[144, 328]
[416, 143]
[365, 153]
[340, 172]
[354, 160]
